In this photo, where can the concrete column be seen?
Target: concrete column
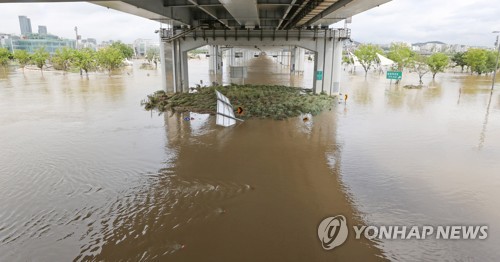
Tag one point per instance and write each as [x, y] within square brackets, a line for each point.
[293, 53]
[218, 60]
[231, 57]
[288, 57]
[167, 66]
[184, 71]
[177, 71]
[319, 65]
[337, 65]
[328, 69]
[211, 60]
[323, 71]
[300, 57]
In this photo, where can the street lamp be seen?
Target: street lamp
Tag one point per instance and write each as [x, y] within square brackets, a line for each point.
[497, 45]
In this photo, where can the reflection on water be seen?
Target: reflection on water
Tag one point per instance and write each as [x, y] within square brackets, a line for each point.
[86, 174]
[482, 137]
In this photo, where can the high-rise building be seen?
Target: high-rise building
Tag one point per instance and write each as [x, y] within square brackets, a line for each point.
[25, 24]
[42, 29]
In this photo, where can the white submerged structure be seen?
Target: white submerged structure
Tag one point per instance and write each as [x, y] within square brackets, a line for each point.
[225, 112]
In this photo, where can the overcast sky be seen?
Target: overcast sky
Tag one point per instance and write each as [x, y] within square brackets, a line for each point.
[467, 22]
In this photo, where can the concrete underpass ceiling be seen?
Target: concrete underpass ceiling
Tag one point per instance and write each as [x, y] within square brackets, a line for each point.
[267, 14]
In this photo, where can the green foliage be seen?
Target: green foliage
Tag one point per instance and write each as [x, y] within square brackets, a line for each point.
[437, 63]
[127, 51]
[420, 66]
[402, 55]
[85, 59]
[110, 58]
[459, 59]
[153, 55]
[22, 57]
[367, 56]
[276, 102]
[476, 59]
[491, 60]
[4, 56]
[62, 59]
[40, 57]
[346, 59]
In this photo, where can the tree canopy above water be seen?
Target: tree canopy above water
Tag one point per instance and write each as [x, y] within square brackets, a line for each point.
[367, 56]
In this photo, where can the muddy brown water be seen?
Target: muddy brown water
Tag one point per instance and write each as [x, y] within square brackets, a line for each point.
[86, 174]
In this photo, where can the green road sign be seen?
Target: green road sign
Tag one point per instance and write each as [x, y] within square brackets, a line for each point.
[396, 75]
[319, 75]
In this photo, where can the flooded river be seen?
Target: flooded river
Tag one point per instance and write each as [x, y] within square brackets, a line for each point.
[87, 174]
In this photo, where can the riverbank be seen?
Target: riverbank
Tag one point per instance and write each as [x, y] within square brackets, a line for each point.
[261, 101]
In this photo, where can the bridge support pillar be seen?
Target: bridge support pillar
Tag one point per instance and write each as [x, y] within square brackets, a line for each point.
[327, 66]
[211, 60]
[218, 60]
[293, 53]
[231, 57]
[297, 60]
[337, 65]
[174, 66]
[215, 59]
[167, 66]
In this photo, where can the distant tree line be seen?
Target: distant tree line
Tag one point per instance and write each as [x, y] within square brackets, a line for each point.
[84, 60]
[476, 60]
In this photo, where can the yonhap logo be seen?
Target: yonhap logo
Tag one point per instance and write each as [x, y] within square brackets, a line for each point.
[332, 232]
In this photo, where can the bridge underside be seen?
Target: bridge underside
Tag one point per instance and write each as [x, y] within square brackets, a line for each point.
[267, 14]
[292, 23]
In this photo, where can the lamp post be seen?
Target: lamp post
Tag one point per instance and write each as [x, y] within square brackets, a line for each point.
[497, 45]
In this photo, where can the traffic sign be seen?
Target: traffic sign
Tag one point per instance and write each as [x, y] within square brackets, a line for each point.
[396, 75]
[319, 75]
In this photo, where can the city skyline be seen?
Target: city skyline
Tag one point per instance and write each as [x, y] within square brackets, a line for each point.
[453, 22]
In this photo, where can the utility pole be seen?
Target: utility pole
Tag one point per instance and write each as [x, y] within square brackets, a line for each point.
[497, 45]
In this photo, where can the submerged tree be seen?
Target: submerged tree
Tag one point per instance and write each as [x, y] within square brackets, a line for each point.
[22, 57]
[459, 60]
[401, 54]
[153, 55]
[437, 63]
[420, 65]
[85, 60]
[126, 50]
[110, 58]
[476, 60]
[367, 56]
[62, 58]
[5, 56]
[346, 59]
[40, 57]
[491, 59]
